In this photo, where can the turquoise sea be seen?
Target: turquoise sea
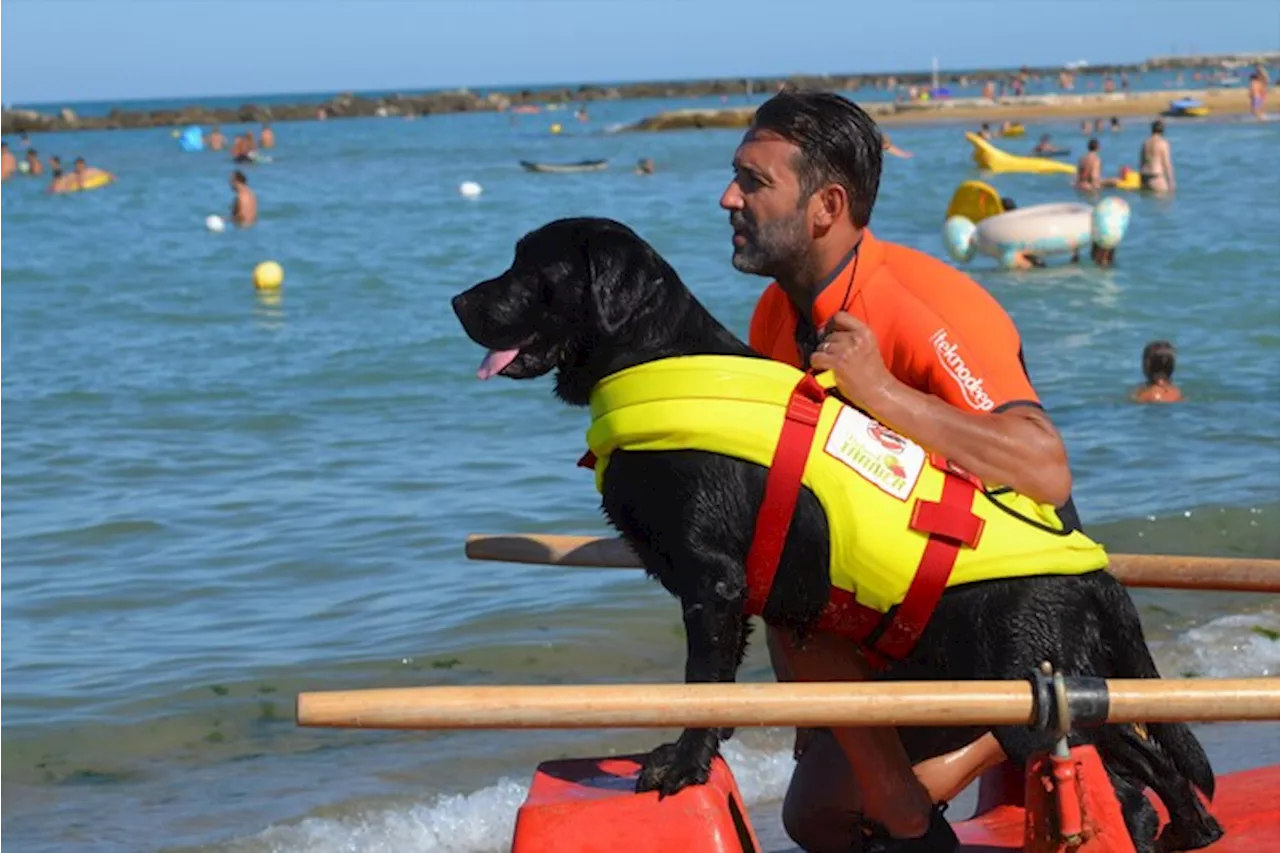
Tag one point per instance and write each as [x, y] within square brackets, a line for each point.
[214, 500]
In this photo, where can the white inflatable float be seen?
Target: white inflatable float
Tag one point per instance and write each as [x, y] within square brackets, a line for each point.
[1045, 229]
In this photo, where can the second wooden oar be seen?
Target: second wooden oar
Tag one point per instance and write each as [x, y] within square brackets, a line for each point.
[1136, 570]
[919, 703]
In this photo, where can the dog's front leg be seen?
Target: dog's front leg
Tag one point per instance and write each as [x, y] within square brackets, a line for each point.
[716, 633]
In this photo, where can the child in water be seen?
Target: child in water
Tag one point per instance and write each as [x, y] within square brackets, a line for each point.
[1157, 365]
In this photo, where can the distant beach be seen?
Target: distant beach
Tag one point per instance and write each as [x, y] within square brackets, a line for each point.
[870, 87]
[1018, 108]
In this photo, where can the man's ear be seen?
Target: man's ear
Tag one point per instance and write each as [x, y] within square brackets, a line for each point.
[833, 204]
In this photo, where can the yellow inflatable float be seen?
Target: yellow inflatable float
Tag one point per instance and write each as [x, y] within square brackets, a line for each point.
[73, 183]
[1129, 179]
[991, 159]
[975, 201]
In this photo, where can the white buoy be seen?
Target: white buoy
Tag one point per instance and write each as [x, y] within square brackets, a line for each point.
[215, 223]
[470, 189]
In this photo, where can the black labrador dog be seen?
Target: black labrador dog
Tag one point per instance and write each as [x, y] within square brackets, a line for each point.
[587, 298]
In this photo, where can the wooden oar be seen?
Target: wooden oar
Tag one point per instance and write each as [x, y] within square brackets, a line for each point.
[1136, 570]
[918, 703]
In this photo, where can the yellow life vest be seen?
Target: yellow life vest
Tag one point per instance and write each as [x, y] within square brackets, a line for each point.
[868, 479]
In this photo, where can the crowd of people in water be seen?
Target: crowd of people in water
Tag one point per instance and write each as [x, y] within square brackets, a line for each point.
[81, 175]
[1155, 171]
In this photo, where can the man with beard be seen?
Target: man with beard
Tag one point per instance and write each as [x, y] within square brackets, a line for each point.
[922, 348]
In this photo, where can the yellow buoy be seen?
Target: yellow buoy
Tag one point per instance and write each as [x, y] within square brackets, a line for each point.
[268, 275]
[556, 128]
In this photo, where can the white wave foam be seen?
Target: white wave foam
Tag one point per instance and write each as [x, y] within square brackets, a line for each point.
[483, 820]
[1236, 646]
[762, 774]
[478, 822]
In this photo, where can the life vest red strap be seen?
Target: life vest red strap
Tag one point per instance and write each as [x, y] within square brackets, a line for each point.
[782, 489]
[951, 524]
[588, 460]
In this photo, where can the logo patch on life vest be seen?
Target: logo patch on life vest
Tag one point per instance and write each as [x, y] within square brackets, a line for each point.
[881, 456]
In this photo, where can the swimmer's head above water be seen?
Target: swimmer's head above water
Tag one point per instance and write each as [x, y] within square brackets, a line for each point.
[1101, 257]
[1158, 359]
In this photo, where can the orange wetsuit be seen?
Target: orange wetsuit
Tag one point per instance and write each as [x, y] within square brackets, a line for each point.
[939, 331]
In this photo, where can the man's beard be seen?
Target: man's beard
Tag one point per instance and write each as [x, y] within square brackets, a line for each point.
[772, 249]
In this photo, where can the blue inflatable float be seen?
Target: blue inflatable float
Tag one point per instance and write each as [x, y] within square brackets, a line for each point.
[192, 139]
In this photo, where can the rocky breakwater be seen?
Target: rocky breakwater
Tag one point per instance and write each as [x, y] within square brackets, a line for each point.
[342, 106]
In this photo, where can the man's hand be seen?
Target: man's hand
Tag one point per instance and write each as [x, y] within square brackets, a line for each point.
[1018, 448]
[851, 351]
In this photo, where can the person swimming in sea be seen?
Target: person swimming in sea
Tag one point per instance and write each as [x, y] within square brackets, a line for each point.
[242, 148]
[1046, 148]
[889, 148]
[1156, 160]
[1158, 358]
[1258, 82]
[34, 166]
[1089, 170]
[244, 209]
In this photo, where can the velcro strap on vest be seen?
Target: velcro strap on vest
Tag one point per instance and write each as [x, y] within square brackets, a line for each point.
[950, 521]
[950, 524]
[782, 489]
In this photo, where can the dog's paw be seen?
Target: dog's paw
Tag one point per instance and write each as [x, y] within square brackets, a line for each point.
[672, 767]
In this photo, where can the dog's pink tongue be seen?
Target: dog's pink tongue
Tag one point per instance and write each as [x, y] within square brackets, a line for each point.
[495, 361]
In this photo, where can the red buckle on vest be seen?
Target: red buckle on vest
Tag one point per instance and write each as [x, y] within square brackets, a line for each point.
[588, 460]
[782, 489]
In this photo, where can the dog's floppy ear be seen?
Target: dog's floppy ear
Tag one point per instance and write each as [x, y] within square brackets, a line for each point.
[620, 280]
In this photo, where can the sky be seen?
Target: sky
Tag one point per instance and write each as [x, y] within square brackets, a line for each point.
[77, 50]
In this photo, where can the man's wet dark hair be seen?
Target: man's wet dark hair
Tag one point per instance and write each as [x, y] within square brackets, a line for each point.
[239, 178]
[839, 144]
[1157, 126]
[1093, 145]
[1158, 360]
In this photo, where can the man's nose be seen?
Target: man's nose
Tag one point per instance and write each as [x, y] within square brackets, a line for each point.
[731, 198]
